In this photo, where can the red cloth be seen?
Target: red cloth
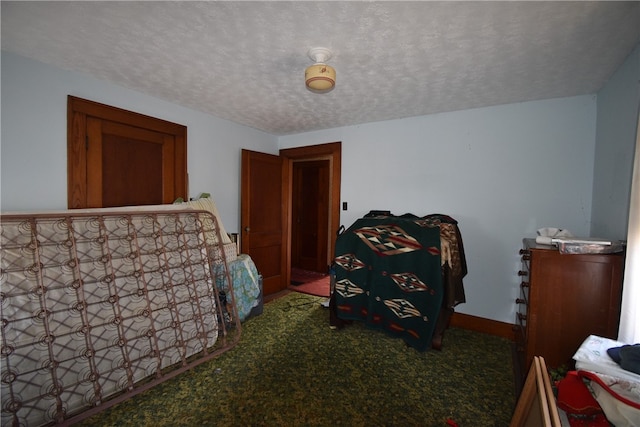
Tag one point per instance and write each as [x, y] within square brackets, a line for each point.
[575, 398]
[577, 401]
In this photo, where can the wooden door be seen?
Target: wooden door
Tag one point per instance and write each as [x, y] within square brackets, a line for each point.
[121, 158]
[264, 217]
[310, 215]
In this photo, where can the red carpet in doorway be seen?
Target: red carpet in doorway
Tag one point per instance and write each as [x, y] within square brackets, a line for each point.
[300, 276]
[318, 287]
[309, 282]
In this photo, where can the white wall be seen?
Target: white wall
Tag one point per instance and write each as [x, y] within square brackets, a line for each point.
[33, 168]
[618, 103]
[502, 172]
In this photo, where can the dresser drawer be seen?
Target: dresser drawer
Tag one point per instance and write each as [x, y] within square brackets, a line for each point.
[523, 300]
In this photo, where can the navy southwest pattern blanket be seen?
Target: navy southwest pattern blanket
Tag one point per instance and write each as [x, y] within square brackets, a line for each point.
[389, 275]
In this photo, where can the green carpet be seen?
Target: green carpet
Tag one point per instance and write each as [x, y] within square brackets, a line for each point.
[291, 369]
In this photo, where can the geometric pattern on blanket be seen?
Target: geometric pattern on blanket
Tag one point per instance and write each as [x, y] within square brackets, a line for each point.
[389, 275]
[387, 239]
[96, 307]
[349, 262]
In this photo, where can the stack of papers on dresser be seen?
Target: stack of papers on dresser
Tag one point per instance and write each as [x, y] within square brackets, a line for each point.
[582, 241]
[587, 245]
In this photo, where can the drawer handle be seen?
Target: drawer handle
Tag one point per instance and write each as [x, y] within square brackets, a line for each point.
[523, 273]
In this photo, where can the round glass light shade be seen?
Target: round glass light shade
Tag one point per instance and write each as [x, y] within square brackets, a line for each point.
[320, 77]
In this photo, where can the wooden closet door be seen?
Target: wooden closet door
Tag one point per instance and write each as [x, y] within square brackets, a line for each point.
[120, 158]
[126, 165]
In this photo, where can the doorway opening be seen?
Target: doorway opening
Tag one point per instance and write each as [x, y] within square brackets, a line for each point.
[314, 182]
[310, 216]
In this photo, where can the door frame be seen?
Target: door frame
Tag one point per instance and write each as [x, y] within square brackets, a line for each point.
[330, 151]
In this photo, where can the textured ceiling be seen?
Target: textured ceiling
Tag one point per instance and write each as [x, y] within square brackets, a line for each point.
[244, 61]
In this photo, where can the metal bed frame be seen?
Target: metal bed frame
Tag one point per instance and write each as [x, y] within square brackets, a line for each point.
[96, 307]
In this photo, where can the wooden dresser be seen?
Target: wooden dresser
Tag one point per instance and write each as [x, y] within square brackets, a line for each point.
[564, 298]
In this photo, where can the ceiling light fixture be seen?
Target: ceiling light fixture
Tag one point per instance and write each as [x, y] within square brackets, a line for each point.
[320, 77]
